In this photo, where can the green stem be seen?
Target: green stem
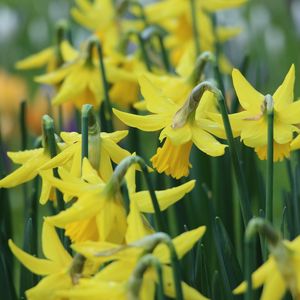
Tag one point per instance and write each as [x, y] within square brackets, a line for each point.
[50, 145]
[195, 26]
[270, 158]
[239, 174]
[150, 242]
[249, 267]
[154, 31]
[119, 174]
[23, 127]
[107, 102]
[136, 278]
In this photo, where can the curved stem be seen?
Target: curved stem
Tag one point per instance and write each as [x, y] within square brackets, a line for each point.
[136, 278]
[119, 174]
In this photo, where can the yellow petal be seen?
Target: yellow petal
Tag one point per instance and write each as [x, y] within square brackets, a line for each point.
[55, 76]
[155, 101]
[89, 174]
[283, 133]
[86, 207]
[21, 157]
[105, 169]
[35, 265]
[47, 287]
[46, 188]
[145, 123]
[116, 153]
[274, 287]
[183, 243]
[165, 198]
[189, 293]
[284, 95]
[68, 52]
[247, 95]
[290, 113]
[138, 226]
[177, 136]
[205, 142]
[37, 60]
[258, 277]
[53, 248]
[115, 136]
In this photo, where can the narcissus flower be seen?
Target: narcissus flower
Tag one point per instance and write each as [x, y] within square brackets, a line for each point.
[102, 154]
[175, 16]
[55, 267]
[251, 123]
[183, 124]
[81, 76]
[99, 214]
[31, 161]
[279, 273]
[126, 258]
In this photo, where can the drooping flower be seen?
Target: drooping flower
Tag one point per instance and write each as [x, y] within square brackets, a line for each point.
[251, 123]
[99, 213]
[279, 273]
[181, 126]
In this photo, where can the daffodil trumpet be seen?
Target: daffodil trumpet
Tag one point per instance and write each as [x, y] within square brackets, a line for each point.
[94, 43]
[136, 279]
[119, 174]
[51, 146]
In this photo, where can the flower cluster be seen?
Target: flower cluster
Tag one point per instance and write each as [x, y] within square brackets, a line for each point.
[108, 233]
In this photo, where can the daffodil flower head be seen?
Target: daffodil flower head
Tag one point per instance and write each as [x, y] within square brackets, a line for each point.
[281, 271]
[50, 57]
[251, 123]
[97, 214]
[182, 124]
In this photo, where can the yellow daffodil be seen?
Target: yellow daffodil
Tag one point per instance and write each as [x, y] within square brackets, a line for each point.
[99, 213]
[107, 151]
[175, 16]
[55, 267]
[31, 161]
[251, 123]
[81, 77]
[126, 260]
[279, 273]
[180, 129]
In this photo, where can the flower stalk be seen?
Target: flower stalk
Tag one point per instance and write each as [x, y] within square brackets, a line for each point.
[270, 157]
[195, 26]
[50, 145]
[119, 174]
[95, 44]
[136, 278]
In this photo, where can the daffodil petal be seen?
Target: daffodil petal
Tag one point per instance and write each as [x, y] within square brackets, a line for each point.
[22, 157]
[258, 277]
[36, 60]
[284, 95]
[165, 198]
[35, 265]
[183, 243]
[52, 246]
[178, 136]
[145, 123]
[248, 96]
[205, 142]
[274, 287]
